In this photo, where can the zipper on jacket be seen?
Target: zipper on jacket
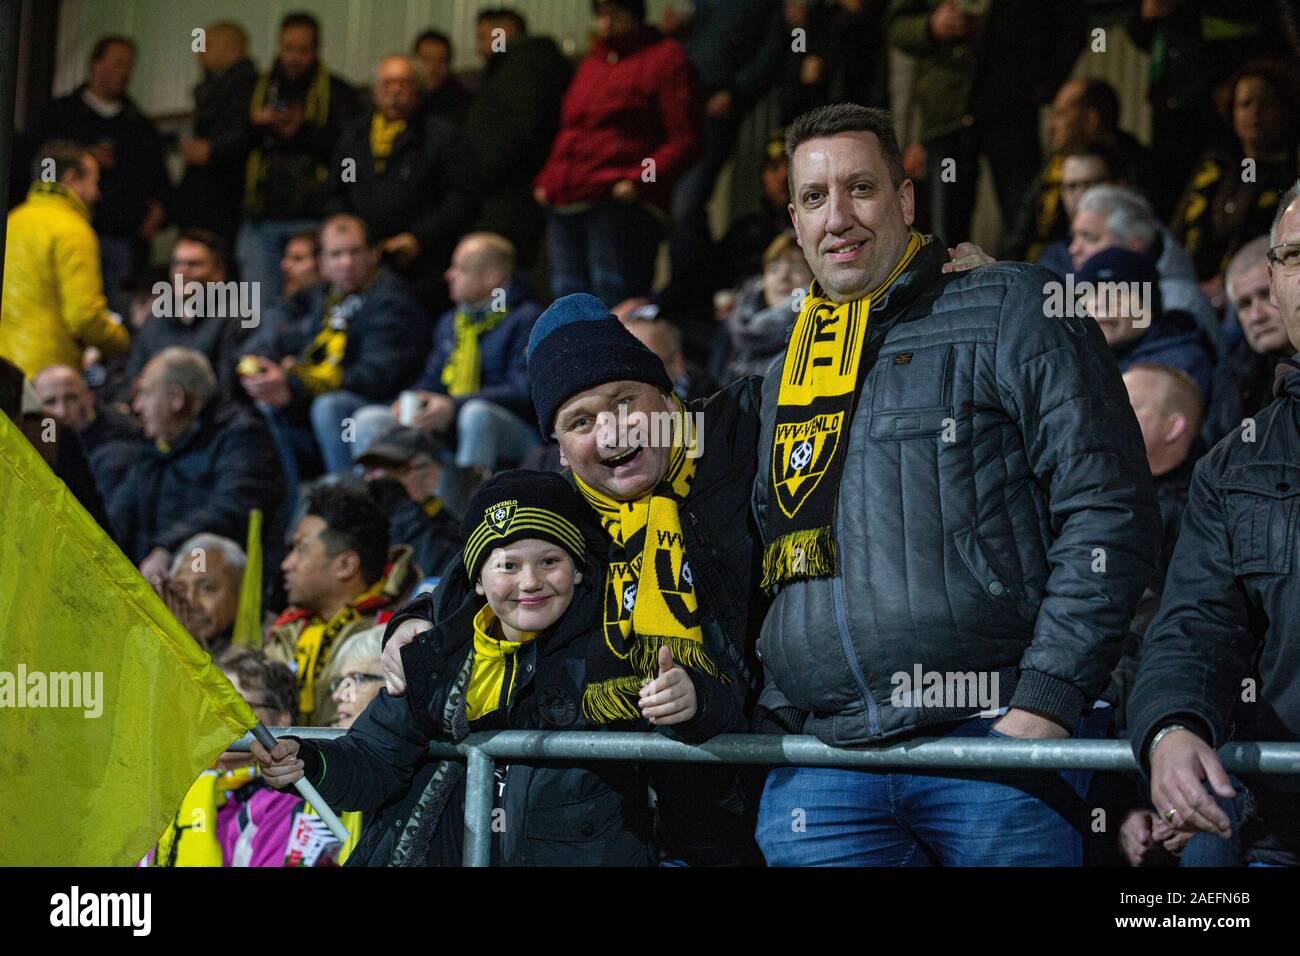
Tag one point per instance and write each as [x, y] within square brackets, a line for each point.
[842, 625]
[734, 596]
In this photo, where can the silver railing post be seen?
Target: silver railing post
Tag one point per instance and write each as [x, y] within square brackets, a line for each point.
[479, 779]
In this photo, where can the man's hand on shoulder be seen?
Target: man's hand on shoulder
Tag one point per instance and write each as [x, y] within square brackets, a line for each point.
[966, 256]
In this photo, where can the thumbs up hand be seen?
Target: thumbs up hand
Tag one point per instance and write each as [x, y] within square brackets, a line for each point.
[670, 697]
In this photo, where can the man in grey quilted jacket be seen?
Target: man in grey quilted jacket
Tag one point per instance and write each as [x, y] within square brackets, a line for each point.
[958, 522]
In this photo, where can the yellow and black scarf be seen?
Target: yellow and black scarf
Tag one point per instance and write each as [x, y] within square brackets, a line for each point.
[41, 188]
[462, 375]
[316, 645]
[316, 111]
[821, 379]
[321, 368]
[383, 133]
[650, 595]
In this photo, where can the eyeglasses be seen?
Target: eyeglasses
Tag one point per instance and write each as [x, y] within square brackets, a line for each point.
[1286, 257]
[357, 677]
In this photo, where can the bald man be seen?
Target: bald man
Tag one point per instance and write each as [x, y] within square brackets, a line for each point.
[112, 440]
[474, 390]
[414, 184]
[212, 189]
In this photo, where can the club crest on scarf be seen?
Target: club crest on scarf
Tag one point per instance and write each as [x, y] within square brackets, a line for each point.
[620, 601]
[805, 449]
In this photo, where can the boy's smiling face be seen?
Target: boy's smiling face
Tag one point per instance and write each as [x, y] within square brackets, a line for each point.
[528, 584]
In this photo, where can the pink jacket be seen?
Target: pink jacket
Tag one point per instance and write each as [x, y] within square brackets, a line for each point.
[260, 826]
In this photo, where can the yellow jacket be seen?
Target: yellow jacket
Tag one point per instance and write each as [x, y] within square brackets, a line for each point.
[53, 303]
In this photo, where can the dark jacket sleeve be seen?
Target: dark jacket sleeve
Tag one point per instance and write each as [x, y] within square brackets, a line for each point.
[760, 69]
[433, 541]
[535, 76]
[374, 762]
[448, 216]
[73, 467]
[908, 25]
[1059, 381]
[157, 184]
[677, 104]
[247, 477]
[345, 109]
[271, 337]
[1199, 647]
[444, 339]
[388, 349]
[716, 711]
[124, 513]
[349, 145]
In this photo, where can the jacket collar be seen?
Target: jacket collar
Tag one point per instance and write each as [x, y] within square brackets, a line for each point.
[1286, 380]
[198, 429]
[55, 192]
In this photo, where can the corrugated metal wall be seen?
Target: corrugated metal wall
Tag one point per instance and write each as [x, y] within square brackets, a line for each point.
[356, 33]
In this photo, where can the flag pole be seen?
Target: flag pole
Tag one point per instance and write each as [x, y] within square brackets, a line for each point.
[336, 827]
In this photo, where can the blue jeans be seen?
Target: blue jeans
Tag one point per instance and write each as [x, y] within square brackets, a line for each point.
[337, 424]
[259, 248]
[487, 435]
[825, 816]
[608, 250]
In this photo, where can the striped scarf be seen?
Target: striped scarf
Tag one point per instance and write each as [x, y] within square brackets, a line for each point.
[316, 111]
[321, 368]
[821, 378]
[462, 375]
[650, 595]
[383, 133]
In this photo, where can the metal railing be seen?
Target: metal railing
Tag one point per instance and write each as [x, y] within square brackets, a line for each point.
[481, 751]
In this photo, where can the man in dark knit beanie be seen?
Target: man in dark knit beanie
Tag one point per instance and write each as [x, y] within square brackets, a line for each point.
[683, 567]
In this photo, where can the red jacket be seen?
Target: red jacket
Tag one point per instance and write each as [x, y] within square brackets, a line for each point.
[629, 101]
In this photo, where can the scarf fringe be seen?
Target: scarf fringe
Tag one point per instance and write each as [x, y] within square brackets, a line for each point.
[645, 656]
[610, 700]
[817, 557]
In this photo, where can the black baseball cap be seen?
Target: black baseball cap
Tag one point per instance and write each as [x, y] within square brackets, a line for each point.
[399, 444]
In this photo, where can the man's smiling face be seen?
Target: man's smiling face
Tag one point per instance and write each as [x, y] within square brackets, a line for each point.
[852, 221]
[586, 426]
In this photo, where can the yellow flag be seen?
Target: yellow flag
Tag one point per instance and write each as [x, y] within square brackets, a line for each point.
[108, 709]
[248, 617]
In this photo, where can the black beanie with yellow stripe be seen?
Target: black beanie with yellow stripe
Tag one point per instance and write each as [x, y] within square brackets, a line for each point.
[520, 504]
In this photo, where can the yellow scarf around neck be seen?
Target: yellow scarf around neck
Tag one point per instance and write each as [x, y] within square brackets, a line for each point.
[650, 595]
[821, 377]
[463, 373]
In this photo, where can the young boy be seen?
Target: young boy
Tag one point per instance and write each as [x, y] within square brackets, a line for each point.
[503, 644]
